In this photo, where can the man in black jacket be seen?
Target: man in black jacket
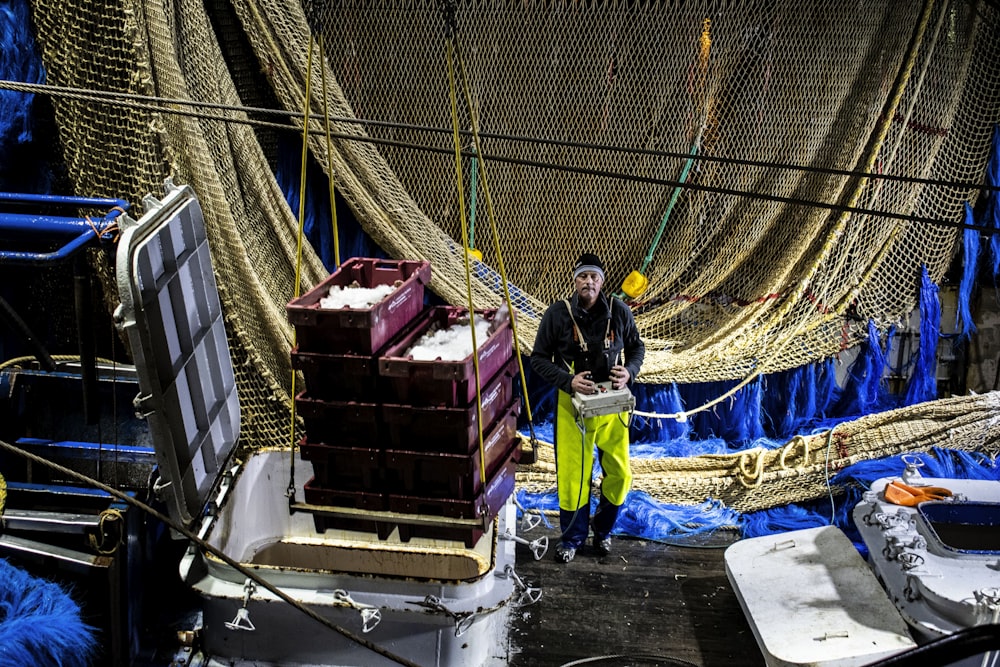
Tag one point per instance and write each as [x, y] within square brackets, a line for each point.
[583, 340]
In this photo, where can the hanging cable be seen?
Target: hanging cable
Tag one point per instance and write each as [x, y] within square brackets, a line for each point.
[602, 173]
[214, 551]
[298, 254]
[176, 106]
[329, 155]
[491, 216]
[449, 10]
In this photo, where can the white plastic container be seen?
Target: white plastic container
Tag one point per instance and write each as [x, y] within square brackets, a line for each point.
[438, 603]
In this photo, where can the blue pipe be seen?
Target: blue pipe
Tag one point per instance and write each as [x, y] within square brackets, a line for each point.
[96, 202]
[48, 226]
[43, 224]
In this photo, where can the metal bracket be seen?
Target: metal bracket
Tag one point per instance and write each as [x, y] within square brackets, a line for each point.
[905, 548]
[242, 619]
[463, 620]
[529, 594]
[888, 520]
[371, 616]
[911, 471]
[538, 547]
[988, 605]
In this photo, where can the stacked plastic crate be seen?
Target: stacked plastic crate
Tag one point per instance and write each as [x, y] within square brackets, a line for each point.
[432, 410]
[388, 434]
[337, 351]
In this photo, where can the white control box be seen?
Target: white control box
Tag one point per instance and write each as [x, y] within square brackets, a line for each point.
[605, 401]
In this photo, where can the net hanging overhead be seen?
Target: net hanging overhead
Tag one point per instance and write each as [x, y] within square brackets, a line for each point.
[590, 114]
[578, 102]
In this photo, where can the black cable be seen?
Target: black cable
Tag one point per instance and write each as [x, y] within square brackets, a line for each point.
[688, 185]
[9, 317]
[114, 98]
[947, 650]
[225, 558]
[631, 658]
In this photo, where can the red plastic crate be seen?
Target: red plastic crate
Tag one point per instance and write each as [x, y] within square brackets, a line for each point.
[448, 383]
[458, 476]
[360, 330]
[316, 494]
[343, 377]
[451, 430]
[485, 507]
[345, 468]
[345, 423]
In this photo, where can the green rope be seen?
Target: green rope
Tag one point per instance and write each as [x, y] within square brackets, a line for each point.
[472, 202]
[673, 200]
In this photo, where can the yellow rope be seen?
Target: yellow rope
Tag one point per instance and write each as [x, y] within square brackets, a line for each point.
[491, 216]
[106, 517]
[298, 250]
[465, 254]
[752, 479]
[329, 155]
[3, 494]
[790, 448]
[21, 361]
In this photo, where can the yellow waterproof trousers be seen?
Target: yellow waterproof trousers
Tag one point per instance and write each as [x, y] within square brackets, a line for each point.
[574, 469]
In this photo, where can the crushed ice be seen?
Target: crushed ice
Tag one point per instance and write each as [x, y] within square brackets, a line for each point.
[453, 343]
[354, 296]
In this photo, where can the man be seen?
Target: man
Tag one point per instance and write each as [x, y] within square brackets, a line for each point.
[581, 341]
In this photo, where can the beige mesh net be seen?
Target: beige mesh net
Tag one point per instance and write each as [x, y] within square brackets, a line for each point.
[737, 285]
[758, 478]
[590, 114]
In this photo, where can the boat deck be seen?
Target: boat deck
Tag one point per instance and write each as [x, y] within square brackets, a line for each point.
[658, 604]
[645, 604]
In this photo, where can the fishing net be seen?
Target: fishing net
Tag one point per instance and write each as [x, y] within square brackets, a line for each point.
[578, 103]
[797, 471]
[589, 115]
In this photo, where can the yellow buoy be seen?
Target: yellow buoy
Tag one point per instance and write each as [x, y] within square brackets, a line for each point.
[475, 254]
[635, 284]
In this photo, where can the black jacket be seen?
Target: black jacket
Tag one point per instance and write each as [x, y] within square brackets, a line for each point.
[556, 347]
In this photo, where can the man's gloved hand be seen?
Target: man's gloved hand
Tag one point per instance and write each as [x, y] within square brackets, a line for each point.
[619, 377]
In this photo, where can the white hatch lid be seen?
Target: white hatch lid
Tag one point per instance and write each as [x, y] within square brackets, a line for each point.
[171, 313]
[812, 600]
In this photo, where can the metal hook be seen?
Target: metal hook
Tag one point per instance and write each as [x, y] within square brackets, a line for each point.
[529, 594]
[371, 616]
[530, 520]
[242, 619]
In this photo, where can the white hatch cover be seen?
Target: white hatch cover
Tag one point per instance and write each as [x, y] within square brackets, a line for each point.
[812, 600]
[171, 312]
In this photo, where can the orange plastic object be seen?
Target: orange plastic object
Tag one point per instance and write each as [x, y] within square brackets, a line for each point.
[903, 494]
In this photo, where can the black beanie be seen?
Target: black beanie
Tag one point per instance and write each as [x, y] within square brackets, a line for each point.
[588, 262]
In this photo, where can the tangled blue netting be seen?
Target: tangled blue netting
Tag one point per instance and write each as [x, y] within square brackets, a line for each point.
[40, 623]
[644, 517]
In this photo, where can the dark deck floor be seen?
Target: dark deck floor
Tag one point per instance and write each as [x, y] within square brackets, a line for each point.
[669, 602]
